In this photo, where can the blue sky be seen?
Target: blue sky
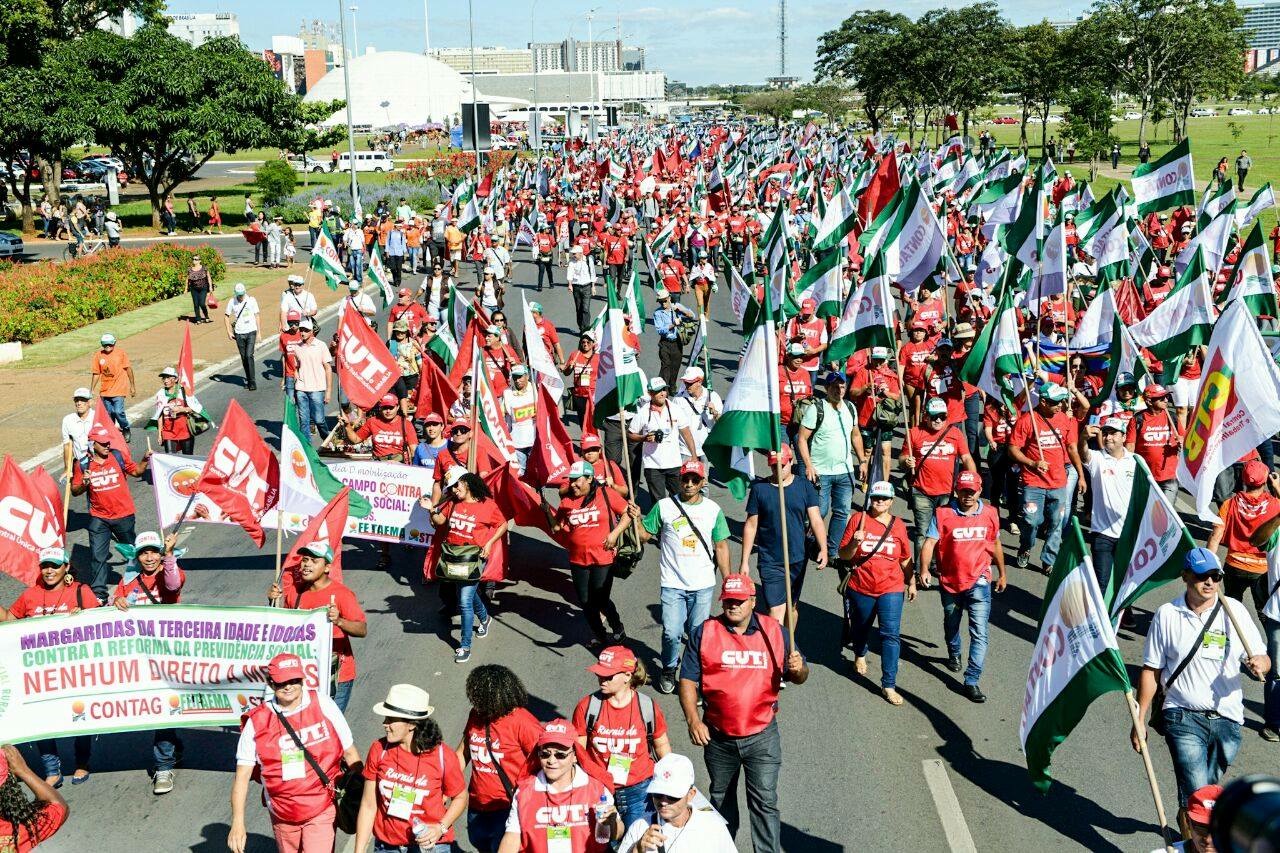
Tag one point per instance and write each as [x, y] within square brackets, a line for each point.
[699, 41]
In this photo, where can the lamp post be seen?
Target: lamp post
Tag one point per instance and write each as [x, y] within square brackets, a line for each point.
[475, 110]
[355, 32]
[426, 29]
[351, 133]
[535, 117]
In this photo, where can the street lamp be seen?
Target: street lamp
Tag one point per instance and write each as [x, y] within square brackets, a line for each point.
[426, 28]
[475, 109]
[355, 32]
[535, 118]
[351, 133]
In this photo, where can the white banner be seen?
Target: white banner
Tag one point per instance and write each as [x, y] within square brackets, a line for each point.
[162, 666]
[392, 489]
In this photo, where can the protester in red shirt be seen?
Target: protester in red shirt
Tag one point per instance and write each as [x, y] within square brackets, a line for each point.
[409, 775]
[795, 383]
[104, 475]
[588, 522]
[942, 380]
[23, 823]
[1156, 437]
[498, 740]
[869, 386]
[582, 367]
[672, 273]
[289, 341]
[811, 331]
[1044, 443]
[934, 451]
[1240, 516]
[928, 309]
[391, 436]
[408, 308]
[1002, 487]
[913, 356]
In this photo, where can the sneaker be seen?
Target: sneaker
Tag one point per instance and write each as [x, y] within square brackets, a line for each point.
[1023, 559]
[253, 386]
[953, 663]
[1270, 734]
[482, 628]
[462, 655]
[162, 783]
[618, 637]
[667, 682]
[974, 694]
[1014, 529]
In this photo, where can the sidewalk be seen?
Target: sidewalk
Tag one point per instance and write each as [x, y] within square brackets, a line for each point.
[35, 393]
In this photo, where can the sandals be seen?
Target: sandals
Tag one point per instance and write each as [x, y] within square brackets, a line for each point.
[80, 780]
[892, 696]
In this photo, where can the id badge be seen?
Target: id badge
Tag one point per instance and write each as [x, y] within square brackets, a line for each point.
[1214, 646]
[402, 800]
[292, 765]
[620, 768]
[559, 839]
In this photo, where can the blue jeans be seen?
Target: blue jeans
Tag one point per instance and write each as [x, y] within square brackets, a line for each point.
[485, 829]
[355, 261]
[383, 847]
[887, 610]
[115, 408]
[1202, 748]
[414, 254]
[632, 801]
[291, 388]
[976, 601]
[922, 509]
[682, 611]
[53, 763]
[759, 758]
[1271, 687]
[1042, 508]
[342, 694]
[165, 748]
[472, 607]
[835, 495]
[310, 411]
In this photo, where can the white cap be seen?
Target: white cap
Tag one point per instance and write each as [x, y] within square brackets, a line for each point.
[879, 352]
[148, 539]
[296, 279]
[672, 776]
[240, 289]
[307, 323]
[881, 489]
[354, 286]
[692, 374]
[108, 338]
[54, 555]
[581, 468]
[1117, 424]
[82, 393]
[657, 383]
[453, 475]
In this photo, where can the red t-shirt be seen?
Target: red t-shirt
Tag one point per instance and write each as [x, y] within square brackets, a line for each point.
[1242, 514]
[514, 739]
[39, 600]
[878, 564]
[617, 750]
[137, 589]
[793, 385]
[1049, 441]
[472, 522]
[931, 313]
[108, 486]
[348, 608]
[288, 345]
[913, 357]
[174, 427]
[589, 520]
[935, 475]
[886, 382]
[48, 821]
[998, 419]
[428, 778]
[1157, 438]
[583, 369]
[389, 438]
[672, 273]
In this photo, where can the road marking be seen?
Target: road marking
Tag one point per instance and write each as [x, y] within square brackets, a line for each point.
[944, 800]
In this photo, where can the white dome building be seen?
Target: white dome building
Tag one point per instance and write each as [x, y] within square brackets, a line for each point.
[390, 88]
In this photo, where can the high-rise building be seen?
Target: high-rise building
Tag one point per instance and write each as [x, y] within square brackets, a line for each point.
[574, 55]
[632, 58]
[1262, 23]
[488, 60]
[198, 28]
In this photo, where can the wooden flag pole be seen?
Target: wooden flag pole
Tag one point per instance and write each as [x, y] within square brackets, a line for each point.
[279, 548]
[1151, 773]
[66, 486]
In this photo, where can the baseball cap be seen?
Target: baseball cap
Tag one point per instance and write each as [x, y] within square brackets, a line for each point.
[148, 539]
[590, 441]
[53, 556]
[692, 374]
[389, 400]
[519, 370]
[782, 455]
[293, 317]
[944, 342]
[284, 667]
[795, 349]
[240, 288]
[535, 307]
[353, 286]
[107, 339]
[453, 475]
[693, 466]
[613, 660]
[581, 468]
[968, 481]
[738, 587]
[1056, 394]
[881, 489]
[1155, 391]
[1199, 805]
[493, 330]
[879, 352]
[833, 376]
[296, 279]
[1117, 424]
[82, 393]
[169, 371]
[404, 291]
[318, 548]
[558, 732]
[1201, 561]
[575, 250]
[808, 305]
[918, 324]
[459, 423]
[433, 418]
[935, 406]
[657, 383]
[1255, 473]
[100, 435]
[307, 324]
[1124, 379]
[672, 776]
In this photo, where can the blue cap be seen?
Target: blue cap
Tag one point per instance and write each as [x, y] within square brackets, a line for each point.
[944, 342]
[833, 376]
[1201, 561]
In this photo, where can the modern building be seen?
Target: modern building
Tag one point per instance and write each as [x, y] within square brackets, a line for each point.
[198, 28]
[556, 90]
[488, 60]
[1262, 23]
[574, 55]
[632, 58]
[1061, 26]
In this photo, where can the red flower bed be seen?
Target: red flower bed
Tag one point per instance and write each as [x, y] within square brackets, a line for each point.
[453, 166]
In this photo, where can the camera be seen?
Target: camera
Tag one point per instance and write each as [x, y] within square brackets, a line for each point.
[1247, 815]
[659, 435]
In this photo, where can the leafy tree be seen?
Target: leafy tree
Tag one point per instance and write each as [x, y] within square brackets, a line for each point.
[866, 51]
[777, 104]
[833, 100]
[964, 52]
[1039, 72]
[1209, 41]
[276, 180]
[1088, 122]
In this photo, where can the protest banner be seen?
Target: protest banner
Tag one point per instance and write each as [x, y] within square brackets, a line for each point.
[164, 666]
[391, 488]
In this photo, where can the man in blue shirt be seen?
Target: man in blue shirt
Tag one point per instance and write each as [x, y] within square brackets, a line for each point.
[397, 248]
[666, 320]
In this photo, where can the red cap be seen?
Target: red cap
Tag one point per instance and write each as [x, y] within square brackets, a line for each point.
[693, 466]
[558, 732]
[1200, 804]
[968, 481]
[404, 291]
[918, 324]
[389, 400]
[460, 422]
[100, 434]
[808, 305]
[293, 317]
[785, 453]
[613, 660]
[1155, 391]
[433, 418]
[284, 667]
[1255, 473]
[737, 587]
[589, 441]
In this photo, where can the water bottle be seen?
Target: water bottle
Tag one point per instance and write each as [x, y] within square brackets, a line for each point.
[603, 835]
[420, 830]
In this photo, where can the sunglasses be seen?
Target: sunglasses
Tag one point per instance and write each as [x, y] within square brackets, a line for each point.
[1216, 577]
[663, 799]
[557, 754]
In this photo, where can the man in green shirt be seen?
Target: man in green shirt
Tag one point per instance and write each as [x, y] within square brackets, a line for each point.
[828, 440]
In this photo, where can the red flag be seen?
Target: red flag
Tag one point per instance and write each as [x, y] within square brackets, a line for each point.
[882, 187]
[435, 392]
[366, 369]
[28, 523]
[486, 186]
[328, 525]
[41, 479]
[519, 501]
[241, 475]
[102, 419]
[186, 364]
[1128, 303]
[552, 454]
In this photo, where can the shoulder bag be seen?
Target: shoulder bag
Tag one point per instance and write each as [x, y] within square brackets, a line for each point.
[347, 790]
[627, 553]
[696, 532]
[1157, 701]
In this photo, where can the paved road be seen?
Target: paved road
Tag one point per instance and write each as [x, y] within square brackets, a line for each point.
[936, 774]
[230, 243]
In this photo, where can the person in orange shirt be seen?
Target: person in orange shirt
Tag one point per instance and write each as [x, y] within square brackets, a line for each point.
[413, 241]
[454, 239]
[112, 376]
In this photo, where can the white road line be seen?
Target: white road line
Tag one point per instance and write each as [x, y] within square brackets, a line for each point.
[944, 800]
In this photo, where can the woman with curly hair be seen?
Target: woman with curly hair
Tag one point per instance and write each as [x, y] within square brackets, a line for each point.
[410, 775]
[25, 823]
[499, 726]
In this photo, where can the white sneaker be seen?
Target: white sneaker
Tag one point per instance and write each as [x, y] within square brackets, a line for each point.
[163, 782]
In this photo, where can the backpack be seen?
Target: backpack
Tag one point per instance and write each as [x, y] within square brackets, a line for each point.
[798, 411]
[887, 413]
[646, 714]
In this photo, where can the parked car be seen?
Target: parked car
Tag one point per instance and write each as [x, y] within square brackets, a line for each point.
[499, 143]
[10, 245]
[1132, 116]
[366, 161]
[1004, 120]
[1203, 112]
[303, 163]
[1239, 111]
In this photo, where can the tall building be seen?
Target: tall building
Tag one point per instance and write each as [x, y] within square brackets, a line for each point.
[1262, 23]
[298, 66]
[574, 55]
[632, 58]
[198, 28]
[489, 60]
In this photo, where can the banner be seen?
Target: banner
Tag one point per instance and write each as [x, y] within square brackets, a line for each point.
[28, 523]
[366, 369]
[391, 488]
[163, 666]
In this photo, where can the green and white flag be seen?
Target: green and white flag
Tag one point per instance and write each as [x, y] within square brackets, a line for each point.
[997, 203]
[1184, 319]
[995, 362]
[380, 276]
[1096, 221]
[751, 419]
[1263, 199]
[1214, 239]
[324, 258]
[1153, 542]
[777, 261]
[1251, 277]
[444, 345]
[1123, 357]
[867, 317]
[619, 382]
[1168, 182]
[306, 484]
[663, 238]
[1075, 659]
[1113, 256]
[1213, 203]
[823, 283]
[1024, 238]
[838, 222]
[912, 241]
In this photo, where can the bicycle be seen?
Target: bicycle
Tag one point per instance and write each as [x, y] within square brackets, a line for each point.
[90, 246]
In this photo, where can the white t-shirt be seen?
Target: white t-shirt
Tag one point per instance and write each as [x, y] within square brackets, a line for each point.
[304, 302]
[1110, 487]
[363, 304]
[247, 748]
[699, 416]
[244, 314]
[75, 429]
[683, 563]
[704, 832]
[669, 420]
[522, 408]
[1211, 682]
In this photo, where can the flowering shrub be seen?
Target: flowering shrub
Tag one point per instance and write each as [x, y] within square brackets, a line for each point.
[41, 300]
[422, 198]
[454, 166]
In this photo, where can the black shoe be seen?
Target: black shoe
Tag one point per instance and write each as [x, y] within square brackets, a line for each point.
[618, 637]
[595, 645]
[1023, 559]
[974, 694]
[253, 386]
[953, 663]
[128, 436]
[667, 682]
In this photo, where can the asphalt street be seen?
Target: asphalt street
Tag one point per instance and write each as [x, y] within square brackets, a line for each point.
[938, 773]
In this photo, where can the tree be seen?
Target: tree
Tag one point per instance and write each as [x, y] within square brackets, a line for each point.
[1088, 122]
[166, 106]
[1209, 41]
[866, 51]
[1038, 73]
[778, 104]
[833, 100]
[275, 179]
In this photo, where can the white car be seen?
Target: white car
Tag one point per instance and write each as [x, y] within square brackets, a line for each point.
[10, 245]
[366, 161]
[302, 163]
[501, 143]
[1132, 116]
[1239, 111]
[1203, 112]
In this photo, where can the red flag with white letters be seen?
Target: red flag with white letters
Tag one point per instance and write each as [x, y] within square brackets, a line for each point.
[241, 475]
[328, 525]
[366, 369]
[102, 419]
[186, 363]
[435, 392]
[28, 523]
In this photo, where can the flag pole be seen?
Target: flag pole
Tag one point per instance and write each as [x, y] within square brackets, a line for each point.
[772, 374]
[67, 454]
[477, 364]
[1146, 764]
[279, 547]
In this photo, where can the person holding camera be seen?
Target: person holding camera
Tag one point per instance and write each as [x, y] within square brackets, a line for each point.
[666, 320]
[661, 427]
